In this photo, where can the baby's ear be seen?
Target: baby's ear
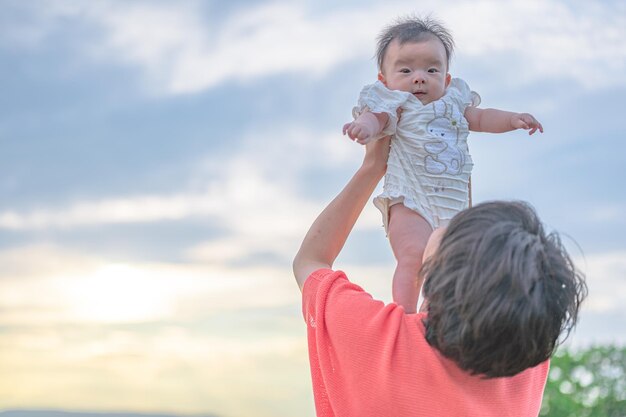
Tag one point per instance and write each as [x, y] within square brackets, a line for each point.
[448, 79]
[381, 78]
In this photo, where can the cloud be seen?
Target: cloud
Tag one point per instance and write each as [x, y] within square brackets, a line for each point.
[602, 313]
[259, 180]
[83, 289]
[606, 278]
[550, 39]
[254, 193]
[179, 51]
[90, 333]
[137, 209]
[608, 213]
[167, 368]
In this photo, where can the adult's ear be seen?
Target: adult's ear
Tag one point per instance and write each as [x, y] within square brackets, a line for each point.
[433, 243]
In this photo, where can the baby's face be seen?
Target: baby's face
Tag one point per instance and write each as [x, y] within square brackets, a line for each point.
[417, 67]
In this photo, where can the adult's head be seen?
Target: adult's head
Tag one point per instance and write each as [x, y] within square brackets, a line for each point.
[500, 291]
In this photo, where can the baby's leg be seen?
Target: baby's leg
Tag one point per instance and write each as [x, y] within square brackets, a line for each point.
[408, 234]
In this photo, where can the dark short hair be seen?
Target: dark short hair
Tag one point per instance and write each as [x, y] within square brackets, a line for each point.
[501, 292]
[413, 29]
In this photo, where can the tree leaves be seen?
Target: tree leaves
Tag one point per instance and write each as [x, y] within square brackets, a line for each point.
[586, 383]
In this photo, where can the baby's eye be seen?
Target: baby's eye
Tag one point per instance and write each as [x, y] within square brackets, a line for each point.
[405, 70]
[433, 70]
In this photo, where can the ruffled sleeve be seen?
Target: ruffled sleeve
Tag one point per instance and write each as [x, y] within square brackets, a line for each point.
[377, 98]
[461, 92]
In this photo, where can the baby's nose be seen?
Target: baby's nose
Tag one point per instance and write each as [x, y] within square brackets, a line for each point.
[419, 78]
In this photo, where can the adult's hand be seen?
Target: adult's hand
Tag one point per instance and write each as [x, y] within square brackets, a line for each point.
[376, 155]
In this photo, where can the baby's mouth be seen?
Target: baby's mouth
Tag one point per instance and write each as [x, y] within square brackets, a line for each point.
[419, 93]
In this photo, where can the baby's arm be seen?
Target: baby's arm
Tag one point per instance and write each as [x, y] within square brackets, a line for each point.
[500, 121]
[366, 127]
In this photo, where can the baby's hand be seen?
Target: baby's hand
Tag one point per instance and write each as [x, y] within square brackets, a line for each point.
[361, 132]
[526, 121]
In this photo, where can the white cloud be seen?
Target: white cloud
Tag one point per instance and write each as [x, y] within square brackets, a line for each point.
[254, 193]
[182, 370]
[258, 178]
[179, 52]
[607, 213]
[265, 40]
[79, 288]
[582, 41]
[23, 262]
[264, 207]
[138, 209]
[606, 279]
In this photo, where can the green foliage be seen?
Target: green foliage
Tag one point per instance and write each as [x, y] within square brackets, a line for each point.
[587, 383]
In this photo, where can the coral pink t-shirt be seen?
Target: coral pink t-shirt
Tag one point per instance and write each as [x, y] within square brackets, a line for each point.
[369, 359]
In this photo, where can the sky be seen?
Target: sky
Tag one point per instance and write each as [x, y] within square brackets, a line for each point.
[161, 161]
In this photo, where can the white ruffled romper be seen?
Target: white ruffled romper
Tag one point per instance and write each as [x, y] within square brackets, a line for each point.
[429, 162]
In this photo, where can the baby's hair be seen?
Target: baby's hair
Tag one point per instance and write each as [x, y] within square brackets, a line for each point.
[501, 292]
[413, 29]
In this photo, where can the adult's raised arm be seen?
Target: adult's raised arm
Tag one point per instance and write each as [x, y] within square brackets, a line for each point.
[329, 231]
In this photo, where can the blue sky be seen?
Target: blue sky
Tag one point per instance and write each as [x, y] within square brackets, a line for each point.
[161, 161]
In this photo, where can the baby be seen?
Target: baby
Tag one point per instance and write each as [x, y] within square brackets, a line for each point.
[429, 166]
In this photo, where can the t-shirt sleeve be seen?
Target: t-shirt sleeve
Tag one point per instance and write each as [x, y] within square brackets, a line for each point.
[377, 98]
[351, 336]
[464, 96]
[333, 303]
